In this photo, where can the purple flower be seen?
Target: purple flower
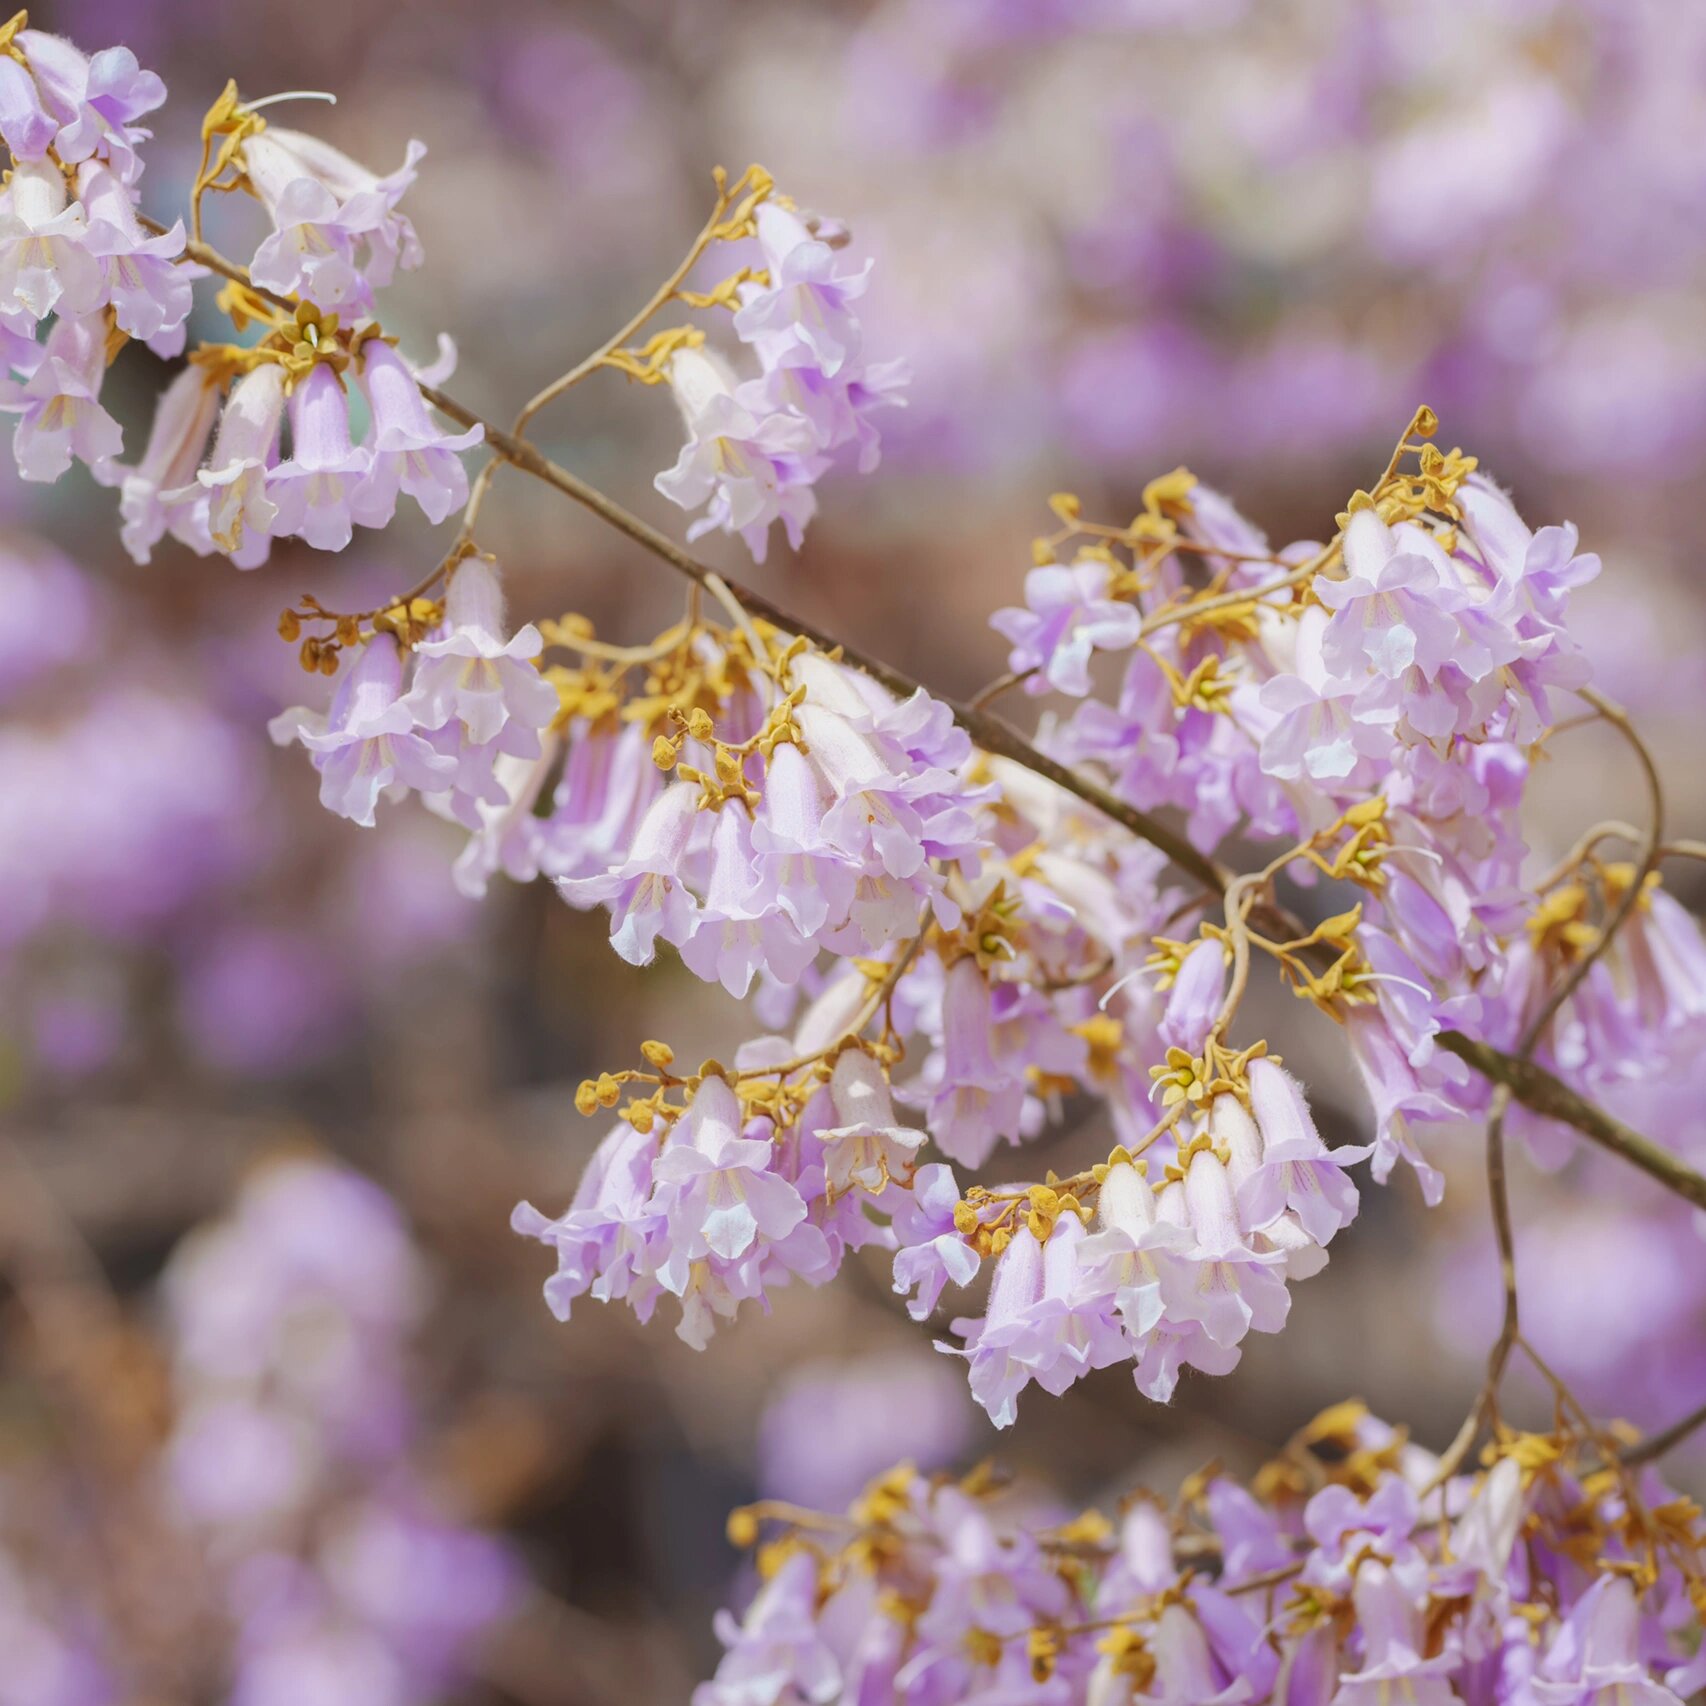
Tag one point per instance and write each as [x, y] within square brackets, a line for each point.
[408, 452]
[803, 316]
[369, 743]
[314, 490]
[177, 439]
[146, 280]
[931, 1252]
[739, 928]
[59, 406]
[240, 511]
[975, 1103]
[1392, 612]
[336, 232]
[1068, 615]
[867, 1146]
[471, 673]
[46, 263]
[749, 469]
[645, 891]
[95, 99]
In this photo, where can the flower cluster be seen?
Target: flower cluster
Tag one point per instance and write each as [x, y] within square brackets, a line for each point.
[1169, 1278]
[475, 700]
[1346, 1573]
[74, 253]
[756, 447]
[822, 821]
[801, 827]
[288, 1323]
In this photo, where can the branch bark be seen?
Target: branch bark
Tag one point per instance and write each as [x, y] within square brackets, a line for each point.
[990, 732]
[1540, 1092]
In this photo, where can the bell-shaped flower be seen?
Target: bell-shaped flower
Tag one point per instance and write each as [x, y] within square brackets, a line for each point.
[1393, 1643]
[738, 928]
[1392, 612]
[177, 440]
[975, 1102]
[646, 893]
[471, 672]
[147, 281]
[1121, 1259]
[314, 490]
[797, 863]
[1221, 1282]
[1067, 615]
[1071, 1329]
[726, 1194]
[336, 232]
[46, 264]
[368, 742]
[1596, 1659]
[368, 200]
[1297, 1172]
[59, 406]
[804, 314]
[868, 1146]
[608, 782]
[776, 1652]
[509, 835]
[930, 1252]
[235, 480]
[96, 98]
[1324, 725]
[26, 126]
[748, 469]
[604, 1241]
[409, 452]
[997, 1374]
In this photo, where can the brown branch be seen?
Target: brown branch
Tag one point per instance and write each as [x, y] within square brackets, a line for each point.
[989, 731]
[1656, 1445]
[1530, 1085]
[1541, 1093]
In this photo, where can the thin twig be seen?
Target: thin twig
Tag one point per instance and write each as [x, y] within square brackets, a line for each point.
[1656, 1445]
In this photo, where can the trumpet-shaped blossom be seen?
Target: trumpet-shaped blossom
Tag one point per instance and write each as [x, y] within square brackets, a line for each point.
[1068, 614]
[313, 492]
[748, 469]
[234, 487]
[407, 452]
[59, 406]
[369, 742]
[472, 674]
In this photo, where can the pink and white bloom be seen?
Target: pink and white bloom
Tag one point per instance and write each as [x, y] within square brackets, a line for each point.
[368, 744]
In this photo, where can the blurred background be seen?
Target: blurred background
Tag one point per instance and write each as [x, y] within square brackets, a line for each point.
[282, 1416]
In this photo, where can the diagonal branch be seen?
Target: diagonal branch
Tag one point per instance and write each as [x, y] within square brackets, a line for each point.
[990, 732]
[1531, 1085]
[1656, 1445]
[1540, 1092]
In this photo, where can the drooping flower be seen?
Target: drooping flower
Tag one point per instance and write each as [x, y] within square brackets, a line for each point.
[748, 469]
[177, 440]
[1068, 614]
[368, 743]
[475, 676]
[802, 316]
[408, 453]
[315, 489]
[59, 406]
[234, 486]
